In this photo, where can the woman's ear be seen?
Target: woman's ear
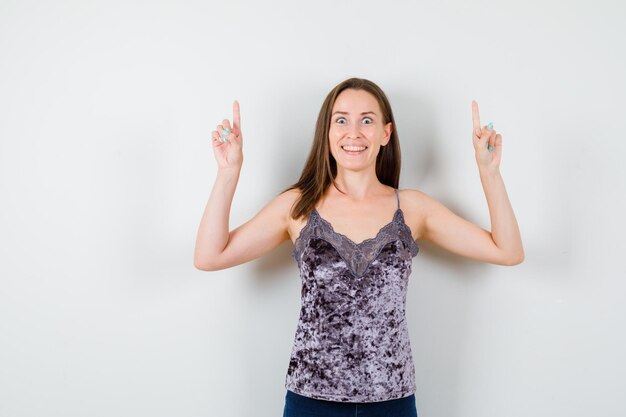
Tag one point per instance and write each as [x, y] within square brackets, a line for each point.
[388, 130]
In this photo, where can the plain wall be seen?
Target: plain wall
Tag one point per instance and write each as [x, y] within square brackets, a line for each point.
[106, 111]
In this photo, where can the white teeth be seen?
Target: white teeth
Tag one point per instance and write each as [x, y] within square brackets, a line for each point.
[353, 148]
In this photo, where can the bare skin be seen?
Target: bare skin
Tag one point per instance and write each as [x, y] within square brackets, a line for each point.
[363, 220]
[366, 207]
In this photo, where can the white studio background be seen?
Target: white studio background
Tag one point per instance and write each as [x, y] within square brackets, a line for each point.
[106, 110]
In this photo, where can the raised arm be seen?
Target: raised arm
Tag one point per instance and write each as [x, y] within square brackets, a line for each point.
[217, 247]
[503, 245]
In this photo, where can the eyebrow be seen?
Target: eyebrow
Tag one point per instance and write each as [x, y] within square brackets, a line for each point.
[345, 112]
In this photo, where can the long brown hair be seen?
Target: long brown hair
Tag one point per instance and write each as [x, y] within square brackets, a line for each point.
[320, 168]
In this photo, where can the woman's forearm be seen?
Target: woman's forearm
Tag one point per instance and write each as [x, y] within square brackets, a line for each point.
[504, 229]
[213, 232]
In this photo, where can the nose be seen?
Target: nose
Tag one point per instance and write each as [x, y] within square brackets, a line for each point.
[353, 130]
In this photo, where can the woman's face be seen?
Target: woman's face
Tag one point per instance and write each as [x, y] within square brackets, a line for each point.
[356, 120]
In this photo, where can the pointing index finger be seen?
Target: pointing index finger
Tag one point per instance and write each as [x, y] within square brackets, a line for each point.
[236, 117]
[475, 115]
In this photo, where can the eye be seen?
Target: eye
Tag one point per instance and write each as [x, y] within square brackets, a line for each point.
[365, 118]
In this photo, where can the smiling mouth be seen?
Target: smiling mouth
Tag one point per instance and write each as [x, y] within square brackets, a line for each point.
[354, 150]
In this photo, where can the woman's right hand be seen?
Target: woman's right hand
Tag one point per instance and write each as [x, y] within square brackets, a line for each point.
[229, 154]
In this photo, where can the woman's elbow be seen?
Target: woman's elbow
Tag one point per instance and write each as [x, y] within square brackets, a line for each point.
[516, 260]
[203, 265]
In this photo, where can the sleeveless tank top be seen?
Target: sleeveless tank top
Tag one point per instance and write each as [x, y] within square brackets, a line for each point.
[352, 342]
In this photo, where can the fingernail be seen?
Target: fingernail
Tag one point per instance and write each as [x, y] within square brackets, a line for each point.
[490, 126]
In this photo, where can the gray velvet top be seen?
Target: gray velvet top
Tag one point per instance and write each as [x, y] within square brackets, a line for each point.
[351, 342]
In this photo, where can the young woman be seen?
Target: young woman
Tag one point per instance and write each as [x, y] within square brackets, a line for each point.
[351, 350]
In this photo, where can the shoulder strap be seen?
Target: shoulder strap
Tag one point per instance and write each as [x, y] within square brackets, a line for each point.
[397, 197]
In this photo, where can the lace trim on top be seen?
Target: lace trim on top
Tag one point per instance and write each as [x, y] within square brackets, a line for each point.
[358, 256]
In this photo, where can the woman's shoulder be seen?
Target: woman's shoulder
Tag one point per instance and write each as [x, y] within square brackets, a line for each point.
[414, 204]
[290, 196]
[294, 226]
[419, 201]
[287, 199]
[413, 198]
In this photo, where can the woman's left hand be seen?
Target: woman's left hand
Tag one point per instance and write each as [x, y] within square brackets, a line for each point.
[484, 139]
